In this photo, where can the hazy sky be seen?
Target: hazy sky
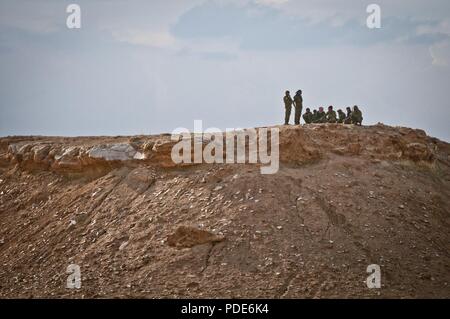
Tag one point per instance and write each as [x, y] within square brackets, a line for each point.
[144, 67]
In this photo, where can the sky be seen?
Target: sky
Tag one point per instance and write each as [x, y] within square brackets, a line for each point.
[148, 67]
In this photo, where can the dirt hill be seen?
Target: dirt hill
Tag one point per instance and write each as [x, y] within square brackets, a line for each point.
[138, 225]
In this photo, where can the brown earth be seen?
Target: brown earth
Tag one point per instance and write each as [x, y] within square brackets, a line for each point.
[140, 226]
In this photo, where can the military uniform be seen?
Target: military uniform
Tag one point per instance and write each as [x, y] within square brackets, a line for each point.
[288, 107]
[357, 116]
[314, 116]
[348, 119]
[321, 117]
[298, 103]
[341, 116]
[331, 116]
[308, 117]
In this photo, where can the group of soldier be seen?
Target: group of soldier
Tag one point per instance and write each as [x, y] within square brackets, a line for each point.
[353, 116]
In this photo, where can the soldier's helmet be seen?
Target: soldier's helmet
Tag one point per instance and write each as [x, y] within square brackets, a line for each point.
[348, 108]
[308, 110]
[330, 107]
[287, 92]
[299, 92]
[355, 107]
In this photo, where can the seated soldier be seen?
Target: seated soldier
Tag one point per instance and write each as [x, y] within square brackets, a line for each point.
[314, 116]
[348, 119]
[321, 116]
[308, 116]
[357, 117]
[331, 115]
[341, 116]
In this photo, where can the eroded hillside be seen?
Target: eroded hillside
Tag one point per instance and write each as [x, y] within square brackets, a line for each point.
[140, 226]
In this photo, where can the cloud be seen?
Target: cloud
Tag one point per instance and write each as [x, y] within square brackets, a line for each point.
[268, 28]
[32, 16]
[440, 49]
[271, 2]
[440, 54]
[162, 39]
[443, 28]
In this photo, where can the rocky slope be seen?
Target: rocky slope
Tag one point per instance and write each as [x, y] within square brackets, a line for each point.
[140, 226]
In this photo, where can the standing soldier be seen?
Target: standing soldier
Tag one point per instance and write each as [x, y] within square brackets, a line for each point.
[331, 115]
[348, 119]
[308, 116]
[298, 103]
[357, 116]
[288, 107]
[341, 116]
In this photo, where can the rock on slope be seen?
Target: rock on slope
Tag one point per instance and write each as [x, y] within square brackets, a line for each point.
[140, 226]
